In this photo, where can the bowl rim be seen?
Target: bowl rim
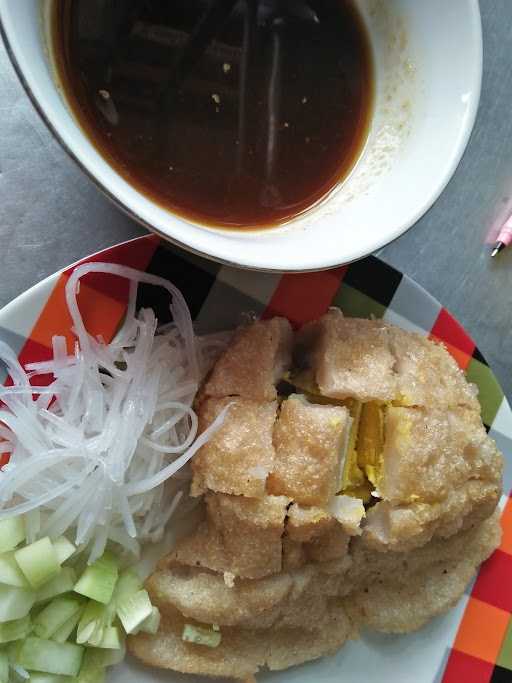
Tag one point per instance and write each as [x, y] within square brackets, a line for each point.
[475, 23]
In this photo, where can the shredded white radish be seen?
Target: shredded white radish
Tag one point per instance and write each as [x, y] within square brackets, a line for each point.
[93, 450]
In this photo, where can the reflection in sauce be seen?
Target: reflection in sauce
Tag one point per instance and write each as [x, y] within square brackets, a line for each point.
[234, 113]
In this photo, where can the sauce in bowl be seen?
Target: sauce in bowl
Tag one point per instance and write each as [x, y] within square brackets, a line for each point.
[241, 114]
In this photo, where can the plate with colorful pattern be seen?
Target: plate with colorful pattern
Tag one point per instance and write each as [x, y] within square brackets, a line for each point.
[470, 644]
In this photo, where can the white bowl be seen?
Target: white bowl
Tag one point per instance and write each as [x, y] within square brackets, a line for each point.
[428, 62]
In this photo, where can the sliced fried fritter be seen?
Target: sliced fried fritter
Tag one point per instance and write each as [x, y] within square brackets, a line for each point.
[205, 597]
[427, 375]
[349, 357]
[322, 536]
[256, 359]
[251, 530]
[294, 555]
[311, 442]
[306, 523]
[242, 652]
[404, 527]
[240, 454]
[428, 453]
[203, 548]
[399, 592]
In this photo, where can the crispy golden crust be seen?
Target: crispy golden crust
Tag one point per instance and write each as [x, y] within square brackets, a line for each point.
[205, 597]
[242, 652]
[251, 530]
[399, 592]
[285, 567]
[239, 456]
[428, 453]
[254, 362]
[406, 527]
[309, 444]
[427, 375]
[350, 357]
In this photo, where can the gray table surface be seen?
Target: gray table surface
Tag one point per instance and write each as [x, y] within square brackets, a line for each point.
[52, 215]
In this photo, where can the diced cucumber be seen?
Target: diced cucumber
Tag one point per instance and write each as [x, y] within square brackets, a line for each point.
[201, 635]
[36, 677]
[55, 614]
[99, 579]
[64, 582]
[92, 671]
[103, 658]
[10, 573]
[95, 618]
[129, 582]
[15, 630]
[15, 603]
[132, 610]
[64, 549]
[37, 654]
[13, 650]
[4, 667]
[112, 639]
[62, 634]
[151, 624]
[12, 533]
[38, 561]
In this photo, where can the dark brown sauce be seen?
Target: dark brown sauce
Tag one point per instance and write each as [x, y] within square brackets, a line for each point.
[232, 113]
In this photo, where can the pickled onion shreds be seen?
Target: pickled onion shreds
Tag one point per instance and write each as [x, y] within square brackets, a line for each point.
[93, 451]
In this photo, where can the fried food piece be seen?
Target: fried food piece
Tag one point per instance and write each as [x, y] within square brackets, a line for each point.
[348, 357]
[242, 652]
[322, 536]
[439, 471]
[400, 592]
[429, 453]
[325, 533]
[203, 548]
[311, 442]
[427, 375]
[404, 527]
[205, 597]
[294, 555]
[256, 359]
[240, 454]
[251, 530]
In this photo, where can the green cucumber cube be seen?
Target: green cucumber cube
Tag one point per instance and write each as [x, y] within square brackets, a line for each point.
[64, 549]
[15, 630]
[55, 614]
[10, 573]
[38, 562]
[99, 579]
[4, 667]
[36, 677]
[37, 654]
[103, 657]
[91, 671]
[63, 632]
[64, 582]
[12, 533]
[112, 639]
[132, 610]
[15, 603]
[129, 583]
[151, 624]
[201, 635]
[95, 618]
